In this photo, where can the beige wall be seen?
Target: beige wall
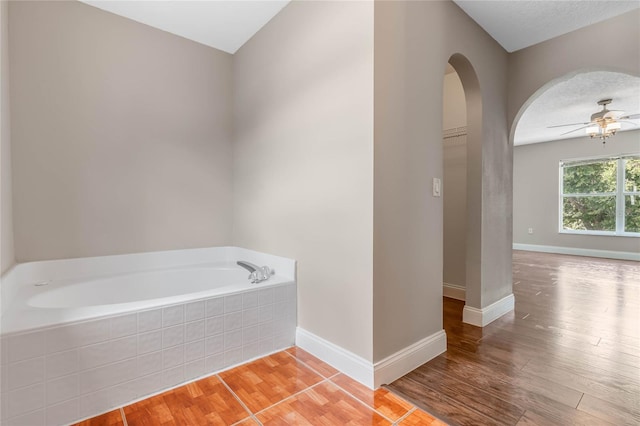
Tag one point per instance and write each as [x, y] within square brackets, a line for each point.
[586, 49]
[122, 143]
[303, 160]
[7, 257]
[121, 135]
[413, 42]
[454, 108]
[454, 182]
[536, 187]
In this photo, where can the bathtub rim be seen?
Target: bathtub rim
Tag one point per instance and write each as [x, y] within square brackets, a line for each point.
[30, 292]
[101, 312]
[28, 273]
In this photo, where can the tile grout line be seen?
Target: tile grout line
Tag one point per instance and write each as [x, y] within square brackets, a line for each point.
[309, 366]
[124, 417]
[407, 414]
[362, 402]
[329, 379]
[293, 395]
[252, 417]
[9, 419]
[64, 376]
[415, 407]
[251, 414]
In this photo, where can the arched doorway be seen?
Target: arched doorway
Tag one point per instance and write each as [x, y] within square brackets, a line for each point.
[454, 182]
[551, 142]
[472, 313]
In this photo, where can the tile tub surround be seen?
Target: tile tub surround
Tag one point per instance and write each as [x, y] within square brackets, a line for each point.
[289, 387]
[60, 374]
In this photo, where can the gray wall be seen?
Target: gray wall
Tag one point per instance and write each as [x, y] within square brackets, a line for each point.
[7, 257]
[413, 42]
[454, 190]
[536, 187]
[303, 160]
[121, 135]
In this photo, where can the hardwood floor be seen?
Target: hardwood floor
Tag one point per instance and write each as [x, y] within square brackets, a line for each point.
[568, 354]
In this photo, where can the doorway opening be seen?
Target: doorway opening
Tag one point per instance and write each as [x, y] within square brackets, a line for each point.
[467, 254]
[454, 155]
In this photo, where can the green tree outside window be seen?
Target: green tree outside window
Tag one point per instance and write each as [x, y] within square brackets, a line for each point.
[593, 200]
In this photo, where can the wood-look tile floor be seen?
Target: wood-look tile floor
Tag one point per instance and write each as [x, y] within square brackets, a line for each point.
[290, 387]
[568, 354]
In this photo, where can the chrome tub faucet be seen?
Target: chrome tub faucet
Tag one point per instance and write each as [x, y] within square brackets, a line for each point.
[257, 273]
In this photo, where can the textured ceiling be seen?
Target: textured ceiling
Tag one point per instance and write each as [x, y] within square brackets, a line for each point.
[517, 24]
[225, 25]
[573, 101]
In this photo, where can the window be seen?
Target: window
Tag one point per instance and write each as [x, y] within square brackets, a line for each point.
[600, 196]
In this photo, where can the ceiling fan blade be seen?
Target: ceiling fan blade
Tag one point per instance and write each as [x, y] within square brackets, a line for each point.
[565, 125]
[629, 122]
[630, 116]
[575, 130]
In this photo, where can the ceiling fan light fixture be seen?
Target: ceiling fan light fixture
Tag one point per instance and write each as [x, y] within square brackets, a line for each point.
[612, 127]
[603, 124]
[593, 130]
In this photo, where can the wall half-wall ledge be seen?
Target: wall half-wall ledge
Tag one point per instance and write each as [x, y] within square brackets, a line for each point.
[609, 254]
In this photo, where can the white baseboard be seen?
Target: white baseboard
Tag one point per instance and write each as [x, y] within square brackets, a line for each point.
[454, 291]
[484, 316]
[408, 359]
[608, 254]
[365, 372]
[347, 362]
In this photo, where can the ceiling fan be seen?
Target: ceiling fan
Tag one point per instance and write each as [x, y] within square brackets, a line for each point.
[604, 123]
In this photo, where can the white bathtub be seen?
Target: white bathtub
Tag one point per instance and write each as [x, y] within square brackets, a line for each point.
[171, 284]
[82, 336]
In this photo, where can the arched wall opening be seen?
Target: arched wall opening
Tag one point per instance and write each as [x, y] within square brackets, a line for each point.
[553, 82]
[473, 182]
[538, 213]
[454, 184]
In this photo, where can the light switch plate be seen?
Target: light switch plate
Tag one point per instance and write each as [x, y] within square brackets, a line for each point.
[436, 187]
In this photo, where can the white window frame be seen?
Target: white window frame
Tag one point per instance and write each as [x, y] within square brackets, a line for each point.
[620, 195]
